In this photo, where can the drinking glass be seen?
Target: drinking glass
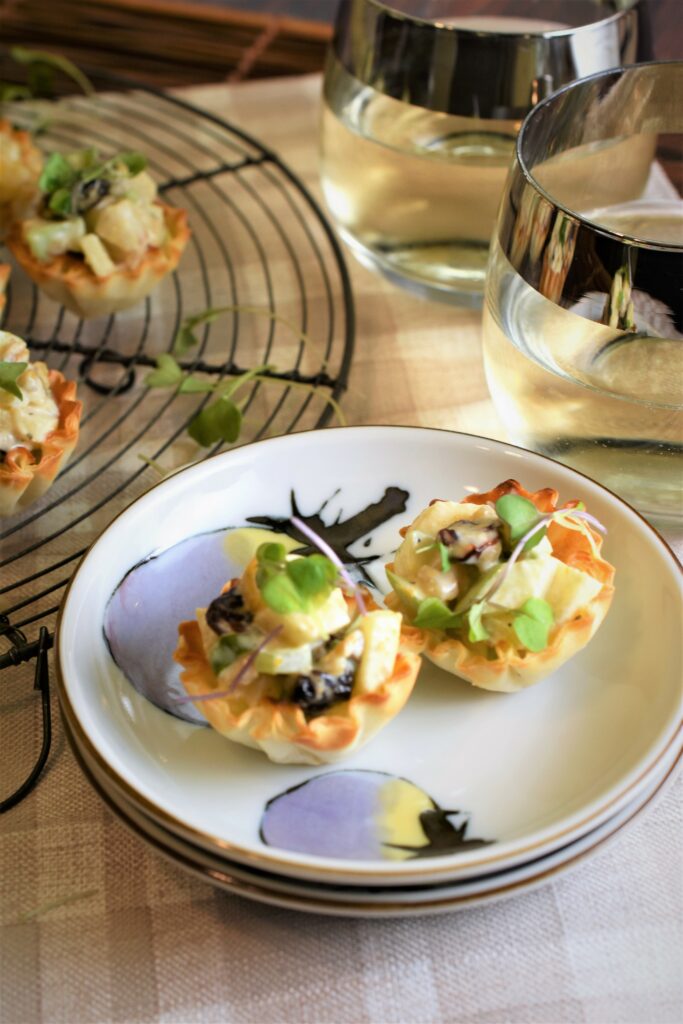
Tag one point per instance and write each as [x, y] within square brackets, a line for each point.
[583, 321]
[423, 100]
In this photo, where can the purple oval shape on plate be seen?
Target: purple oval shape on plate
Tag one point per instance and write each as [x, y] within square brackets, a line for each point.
[363, 815]
[141, 620]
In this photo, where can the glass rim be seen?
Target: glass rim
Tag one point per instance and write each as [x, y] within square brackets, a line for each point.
[385, 7]
[618, 236]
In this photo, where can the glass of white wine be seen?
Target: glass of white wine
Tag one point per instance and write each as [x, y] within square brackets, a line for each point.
[422, 103]
[583, 321]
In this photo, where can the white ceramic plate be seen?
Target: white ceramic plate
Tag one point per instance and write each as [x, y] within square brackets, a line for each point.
[382, 901]
[497, 883]
[530, 772]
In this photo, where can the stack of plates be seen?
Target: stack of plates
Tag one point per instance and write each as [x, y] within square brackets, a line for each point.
[517, 787]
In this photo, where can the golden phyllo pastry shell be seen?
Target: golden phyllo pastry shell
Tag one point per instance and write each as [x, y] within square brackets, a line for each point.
[18, 177]
[23, 476]
[513, 669]
[69, 281]
[281, 729]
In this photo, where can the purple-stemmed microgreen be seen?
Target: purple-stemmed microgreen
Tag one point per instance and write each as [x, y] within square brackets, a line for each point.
[563, 517]
[325, 548]
[244, 668]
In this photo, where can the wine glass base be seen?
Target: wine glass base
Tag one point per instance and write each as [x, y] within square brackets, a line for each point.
[449, 272]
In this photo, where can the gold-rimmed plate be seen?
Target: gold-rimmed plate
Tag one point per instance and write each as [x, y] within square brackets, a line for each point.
[515, 776]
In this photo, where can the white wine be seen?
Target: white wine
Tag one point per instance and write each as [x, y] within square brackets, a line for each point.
[607, 402]
[413, 191]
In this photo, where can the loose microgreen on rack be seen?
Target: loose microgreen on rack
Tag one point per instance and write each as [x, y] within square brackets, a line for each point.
[221, 420]
[41, 67]
[186, 339]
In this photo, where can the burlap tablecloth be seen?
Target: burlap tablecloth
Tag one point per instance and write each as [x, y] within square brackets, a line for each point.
[97, 927]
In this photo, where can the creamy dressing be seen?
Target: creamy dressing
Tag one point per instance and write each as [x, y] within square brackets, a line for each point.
[116, 231]
[27, 420]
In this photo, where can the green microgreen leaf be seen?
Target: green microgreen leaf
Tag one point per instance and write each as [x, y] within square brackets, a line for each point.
[435, 614]
[314, 576]
[57, 173]
[445, 560]
[271, 552]
[195, 386]
[43, 61]
[167, 374]
[10, 92]
[295, 585]
[60, 202]
[532, 624]
[539, 610]
[184, 340]
[281, 595]
[135, 162]
[519, 515]
[9, 374]
[219, 421]
[476, 629]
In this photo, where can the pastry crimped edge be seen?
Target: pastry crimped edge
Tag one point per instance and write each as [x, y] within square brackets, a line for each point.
[514, 670]
[23, 479]
[281, 729]
[69, 281]
[13, 200]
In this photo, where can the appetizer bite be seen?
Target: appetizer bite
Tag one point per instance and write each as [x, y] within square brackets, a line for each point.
[101, 239]
[505, 586]
[39, 421]
[20, 167]
[288, 660]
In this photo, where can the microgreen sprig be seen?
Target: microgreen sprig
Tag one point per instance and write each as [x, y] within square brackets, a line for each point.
[293, 585]
[186, 339]
[221, 419]
[562, 516]
[41, 68]
[9, 374]
[323, 546]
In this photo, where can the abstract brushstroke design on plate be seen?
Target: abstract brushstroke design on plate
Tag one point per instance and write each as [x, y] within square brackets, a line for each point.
[142, 616]
[364, 815]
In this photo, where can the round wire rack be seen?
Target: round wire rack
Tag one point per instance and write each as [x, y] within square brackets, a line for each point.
[261, 247]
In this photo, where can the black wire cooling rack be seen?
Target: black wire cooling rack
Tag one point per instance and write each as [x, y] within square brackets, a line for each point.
[259, 243]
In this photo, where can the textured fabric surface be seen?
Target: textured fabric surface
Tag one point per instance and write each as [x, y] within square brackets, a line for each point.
[96, 926]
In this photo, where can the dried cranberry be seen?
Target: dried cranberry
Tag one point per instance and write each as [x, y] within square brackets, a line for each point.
[316, 692]
[228, 613]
